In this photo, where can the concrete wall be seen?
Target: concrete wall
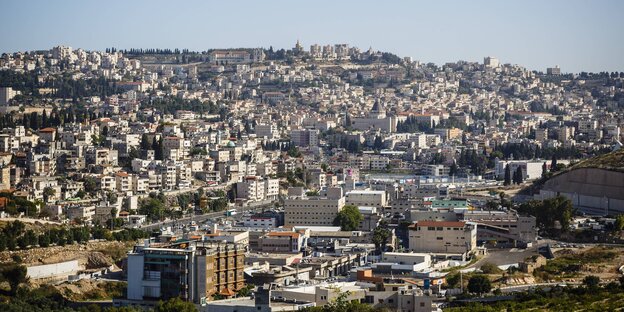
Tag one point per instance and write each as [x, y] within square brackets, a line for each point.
[594, 191]
[52, 270]
[592, 205]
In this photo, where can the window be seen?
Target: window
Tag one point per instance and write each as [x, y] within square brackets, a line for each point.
[422, 304]
[439, 238]
[431, 228]
[440, 228]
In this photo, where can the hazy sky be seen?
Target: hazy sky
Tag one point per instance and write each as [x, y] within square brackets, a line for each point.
[576, 35]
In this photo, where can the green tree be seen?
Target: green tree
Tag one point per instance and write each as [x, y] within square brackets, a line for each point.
[44, 240]
[14, 275]
[153, 208]
[490, 268]
[378, 143]
[381, 235]
[184, 200]
[453, 280]
[31, 238]
[157, 146]
[145, 143]
[591, 281]
[175, 305]
[349, 218]
[518, 176]
[90, 185]
[453, 169]
[47, 193]
[507, 180]
[3, 242]
[479, 284]
[553, 163]
[293, 151]
[619, 222]
[245, 291]
[15, 228]
[550, 211]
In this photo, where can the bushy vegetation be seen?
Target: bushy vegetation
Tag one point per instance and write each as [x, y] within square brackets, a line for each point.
[14, 235]
[550, 211]
[490, 268]
[566, 266]
[49, 299]
[589, 297]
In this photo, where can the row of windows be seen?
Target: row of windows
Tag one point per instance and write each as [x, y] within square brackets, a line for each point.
[439, 238]
[432, 228]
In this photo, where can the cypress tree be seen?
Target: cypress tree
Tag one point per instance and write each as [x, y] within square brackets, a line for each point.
[507, 175]
[518, 175]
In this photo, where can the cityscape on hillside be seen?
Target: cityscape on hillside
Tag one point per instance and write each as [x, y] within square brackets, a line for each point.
[318, 177]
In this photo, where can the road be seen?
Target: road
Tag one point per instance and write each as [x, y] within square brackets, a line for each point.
[203, 217]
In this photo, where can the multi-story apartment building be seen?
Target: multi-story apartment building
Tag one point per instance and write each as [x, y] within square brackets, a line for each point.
[123, 181]
[268, 131]
[502, 227]
[7, 94]
[313, 210]
[193, 271]
[444, 237]
[281, 242]
[251, 188]
[255, 188]
[305, 137]
[435, 170]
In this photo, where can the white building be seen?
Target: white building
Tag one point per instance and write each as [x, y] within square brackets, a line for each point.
[7, 94]
[492, 62]
[367, 198]
[314, 211]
